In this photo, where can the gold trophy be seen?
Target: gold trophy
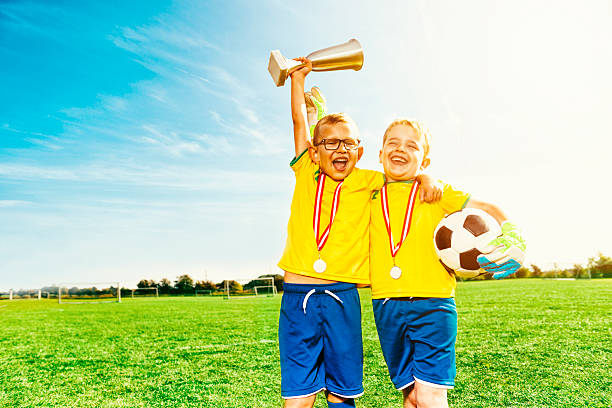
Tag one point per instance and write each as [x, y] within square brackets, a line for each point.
[342, 56]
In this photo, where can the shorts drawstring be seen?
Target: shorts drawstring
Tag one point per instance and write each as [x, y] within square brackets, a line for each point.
[329, 292]
[332, 294]
[306, 299]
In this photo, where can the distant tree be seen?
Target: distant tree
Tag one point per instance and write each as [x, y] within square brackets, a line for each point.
[579, 272]
[184, 284]
[536, 272]
[205, 285]
[233, 286]
[52, 290]
[164, 286]
[146, 283]
[522, 273]
[600, 267]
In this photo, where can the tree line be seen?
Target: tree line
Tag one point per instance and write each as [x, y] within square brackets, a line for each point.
[599, 266]
[186, 285]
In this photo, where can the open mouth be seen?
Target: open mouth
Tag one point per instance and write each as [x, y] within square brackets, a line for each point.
[399, 160]
[340, 164]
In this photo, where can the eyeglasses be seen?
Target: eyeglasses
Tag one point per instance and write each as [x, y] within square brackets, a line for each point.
[334, 144]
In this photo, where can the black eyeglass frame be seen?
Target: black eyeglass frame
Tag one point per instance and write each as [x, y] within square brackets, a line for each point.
[338, 142]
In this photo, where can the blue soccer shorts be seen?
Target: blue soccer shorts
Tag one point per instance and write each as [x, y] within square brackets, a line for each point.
[417, 337]
[319, 336]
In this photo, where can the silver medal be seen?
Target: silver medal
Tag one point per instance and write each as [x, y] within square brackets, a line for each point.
[396, 272]
[319, 266]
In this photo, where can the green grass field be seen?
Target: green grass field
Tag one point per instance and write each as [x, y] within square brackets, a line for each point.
[522, 343]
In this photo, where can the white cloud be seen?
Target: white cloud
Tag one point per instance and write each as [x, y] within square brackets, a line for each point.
[14, 203]
[179, 177]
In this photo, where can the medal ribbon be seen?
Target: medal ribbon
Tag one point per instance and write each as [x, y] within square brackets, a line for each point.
[407, 216]
[317, 211]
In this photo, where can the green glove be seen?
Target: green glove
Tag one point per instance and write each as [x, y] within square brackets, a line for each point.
[509, 255]
[316, 107]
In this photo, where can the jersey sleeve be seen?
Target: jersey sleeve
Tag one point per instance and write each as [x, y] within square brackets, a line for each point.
[302, 164]
[453, 200]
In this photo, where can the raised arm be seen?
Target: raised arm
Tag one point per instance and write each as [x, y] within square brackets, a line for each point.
[298, 107]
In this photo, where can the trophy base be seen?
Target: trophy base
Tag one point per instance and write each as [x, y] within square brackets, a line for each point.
[279, 67]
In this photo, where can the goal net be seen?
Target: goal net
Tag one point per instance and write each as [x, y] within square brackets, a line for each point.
[89, 292]
[25, 294]
[262, 286]
[145, 292]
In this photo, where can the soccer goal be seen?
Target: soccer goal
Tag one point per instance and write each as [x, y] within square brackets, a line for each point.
[265, 290]
[203, 292]
[145, 292]
[89, 292]
[239, 288]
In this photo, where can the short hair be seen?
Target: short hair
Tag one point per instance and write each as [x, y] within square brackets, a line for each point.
[330, 120]
[418, 127]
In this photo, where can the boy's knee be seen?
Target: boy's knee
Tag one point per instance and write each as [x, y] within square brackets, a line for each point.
[431, 398]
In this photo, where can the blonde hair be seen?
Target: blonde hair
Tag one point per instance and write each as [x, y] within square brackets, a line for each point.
[330, 120]
[418, 127]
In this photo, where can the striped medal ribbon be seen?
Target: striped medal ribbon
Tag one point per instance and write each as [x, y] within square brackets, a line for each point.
[320, 265]
[396, 271]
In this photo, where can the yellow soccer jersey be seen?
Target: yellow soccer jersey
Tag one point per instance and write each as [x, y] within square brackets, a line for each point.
[347, 247]
[422, 274]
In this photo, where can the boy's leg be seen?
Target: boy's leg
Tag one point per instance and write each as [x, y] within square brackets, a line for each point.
[390, 316]
[409, 397]
[433, 330]
[301, 347]
[430, 397]
[306, 402]
[343, 350]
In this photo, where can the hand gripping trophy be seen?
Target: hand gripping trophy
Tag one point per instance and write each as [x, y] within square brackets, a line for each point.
[342, 56]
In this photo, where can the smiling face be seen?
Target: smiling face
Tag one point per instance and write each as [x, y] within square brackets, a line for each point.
[338, 163]
[403, 154]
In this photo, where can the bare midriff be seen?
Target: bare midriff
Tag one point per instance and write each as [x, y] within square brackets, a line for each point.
[291, 277]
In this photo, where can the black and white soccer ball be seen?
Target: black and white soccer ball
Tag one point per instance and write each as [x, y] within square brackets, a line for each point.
[463, 235]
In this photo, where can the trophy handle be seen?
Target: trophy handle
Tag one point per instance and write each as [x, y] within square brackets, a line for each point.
[279, 67]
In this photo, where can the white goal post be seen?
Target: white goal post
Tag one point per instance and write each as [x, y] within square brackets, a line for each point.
[151, 288]
[89, 292]
[267, 287]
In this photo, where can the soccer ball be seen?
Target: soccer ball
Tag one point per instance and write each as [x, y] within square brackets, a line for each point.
[463, 235]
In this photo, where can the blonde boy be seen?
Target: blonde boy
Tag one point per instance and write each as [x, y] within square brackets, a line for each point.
[325, 258]
[412, 293]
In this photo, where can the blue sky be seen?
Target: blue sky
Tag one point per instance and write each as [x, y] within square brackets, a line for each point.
[147, 140]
